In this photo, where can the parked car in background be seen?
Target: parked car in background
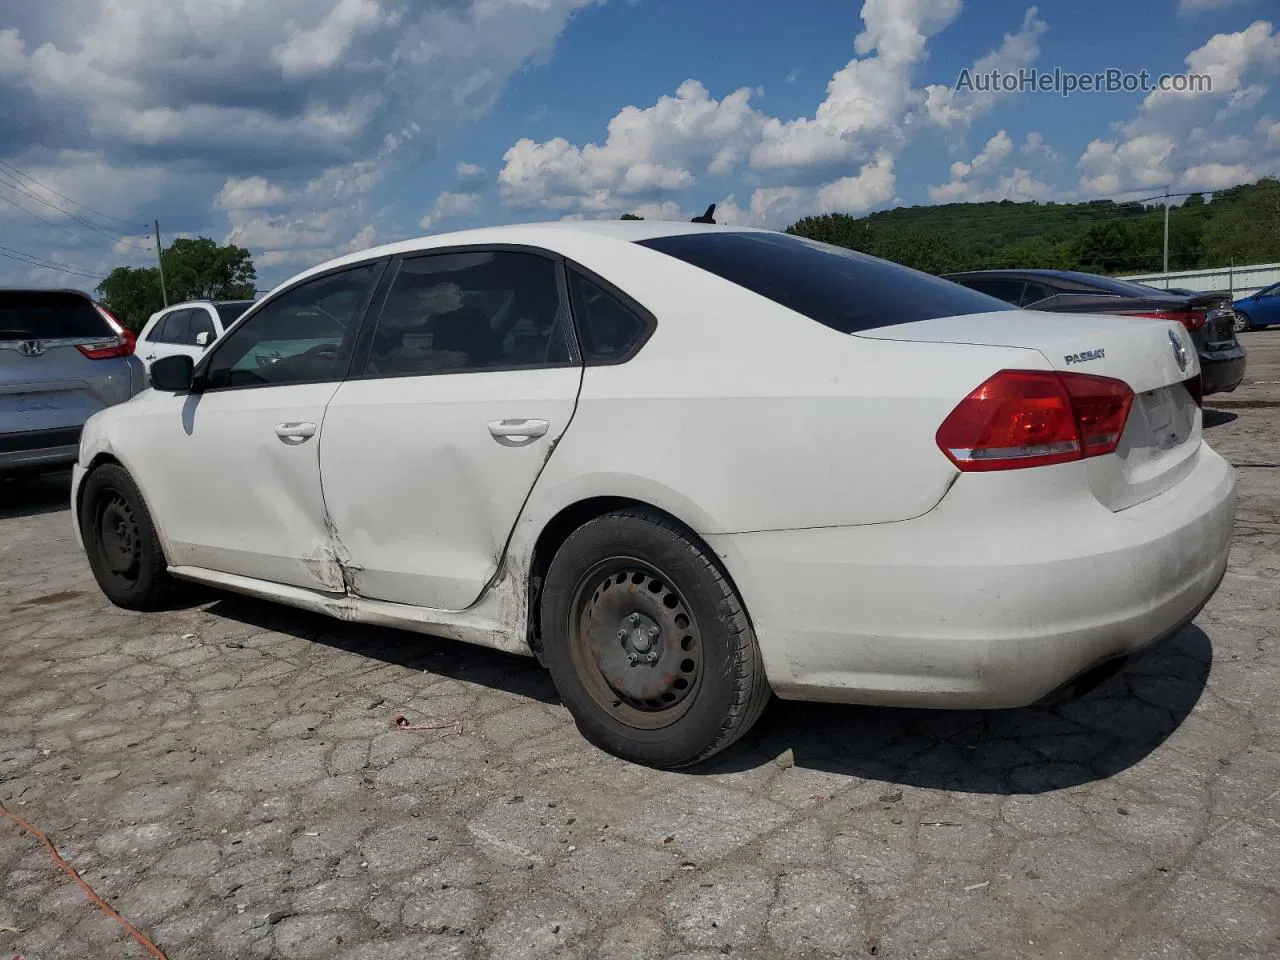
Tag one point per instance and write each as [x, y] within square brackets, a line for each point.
[63, 357]
[187, 328]
[1208, 317]
[683, 465]
[1259, 310]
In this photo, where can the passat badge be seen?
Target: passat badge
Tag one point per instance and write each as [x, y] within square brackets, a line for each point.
[1085, 356]
[1179, 351]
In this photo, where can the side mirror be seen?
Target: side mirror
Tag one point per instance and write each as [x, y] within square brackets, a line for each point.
[174, 374]
[202, 338]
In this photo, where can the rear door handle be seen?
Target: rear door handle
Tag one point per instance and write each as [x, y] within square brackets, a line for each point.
[517, 433]
[295, 432]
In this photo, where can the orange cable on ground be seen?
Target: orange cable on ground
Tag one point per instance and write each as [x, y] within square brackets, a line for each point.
[102, 905]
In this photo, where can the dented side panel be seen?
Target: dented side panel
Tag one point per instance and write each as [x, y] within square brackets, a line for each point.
[229, 493]
[421, 495]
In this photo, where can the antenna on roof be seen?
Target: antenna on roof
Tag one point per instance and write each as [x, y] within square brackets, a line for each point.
[707, 217]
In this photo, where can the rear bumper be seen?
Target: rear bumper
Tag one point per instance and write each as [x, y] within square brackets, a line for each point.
[1222, 370]
[39, 449]
[991, 600]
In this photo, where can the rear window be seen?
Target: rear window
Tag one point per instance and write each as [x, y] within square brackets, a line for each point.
[36, 315]
[229, 313]
[839, 288]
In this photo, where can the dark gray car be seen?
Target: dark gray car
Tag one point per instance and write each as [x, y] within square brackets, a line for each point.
[62, 359]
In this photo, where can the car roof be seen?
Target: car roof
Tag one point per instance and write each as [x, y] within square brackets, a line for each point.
[548, 235]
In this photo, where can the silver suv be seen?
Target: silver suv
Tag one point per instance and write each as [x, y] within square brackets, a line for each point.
[63, 358]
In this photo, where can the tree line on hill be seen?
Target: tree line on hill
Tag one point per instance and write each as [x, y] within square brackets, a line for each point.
[1240, 225]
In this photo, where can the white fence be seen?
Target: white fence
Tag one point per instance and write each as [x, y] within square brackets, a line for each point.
[1239, 281]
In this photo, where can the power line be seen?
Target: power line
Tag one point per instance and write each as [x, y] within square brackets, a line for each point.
[35, 261]
[27, 176]
[113, 236]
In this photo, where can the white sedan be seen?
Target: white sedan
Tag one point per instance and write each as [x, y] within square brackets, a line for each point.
[685, 466]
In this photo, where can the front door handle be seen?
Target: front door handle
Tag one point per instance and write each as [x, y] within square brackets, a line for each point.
[149, 356]
[295, 433]
[518, 433]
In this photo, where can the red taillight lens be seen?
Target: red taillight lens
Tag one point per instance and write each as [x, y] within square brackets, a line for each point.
[1191, 319]
[120, 345]
[1033, 418]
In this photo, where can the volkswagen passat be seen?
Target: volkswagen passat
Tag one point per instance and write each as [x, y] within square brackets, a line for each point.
[685, 466]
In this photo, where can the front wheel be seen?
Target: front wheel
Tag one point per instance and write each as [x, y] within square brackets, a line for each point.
[1241, 323]
[648, 643]
[120, 539]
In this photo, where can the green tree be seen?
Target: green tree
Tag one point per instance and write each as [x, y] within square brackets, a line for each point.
[199, 269]
[838, 229]
[1246, 229]
[194, 269]
[630, 216]
[929, 252]
[132, 294]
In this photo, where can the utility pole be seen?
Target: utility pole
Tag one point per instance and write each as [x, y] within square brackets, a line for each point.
[1166, 236]
[165, 293]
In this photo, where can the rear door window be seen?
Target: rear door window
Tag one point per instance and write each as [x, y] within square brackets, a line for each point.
[839, 288]
[51, 315]
[176, 326]
[470, 311]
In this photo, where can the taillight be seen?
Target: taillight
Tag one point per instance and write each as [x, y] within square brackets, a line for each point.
[120, 345]
[1191, 319]
[1033, 418]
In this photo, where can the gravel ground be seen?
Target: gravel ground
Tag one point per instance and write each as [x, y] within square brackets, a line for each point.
[229, 777]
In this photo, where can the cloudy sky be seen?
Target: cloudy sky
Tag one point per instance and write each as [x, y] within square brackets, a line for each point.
[302, 129]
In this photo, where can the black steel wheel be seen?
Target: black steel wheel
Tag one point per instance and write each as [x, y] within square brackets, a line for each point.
[121, 543]
[648, 643]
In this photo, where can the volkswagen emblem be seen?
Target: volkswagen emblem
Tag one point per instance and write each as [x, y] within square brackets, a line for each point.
[30, 348]
[1179, 351]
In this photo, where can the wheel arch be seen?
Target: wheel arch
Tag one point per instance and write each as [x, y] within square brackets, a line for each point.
[573, 516]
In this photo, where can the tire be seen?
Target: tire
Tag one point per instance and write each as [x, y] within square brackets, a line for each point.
[120, 539]
[634, 584]
[1242, 323]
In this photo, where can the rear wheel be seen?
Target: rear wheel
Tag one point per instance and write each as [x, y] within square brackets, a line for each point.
[648, 643]
[120, 539]
[1242, 322]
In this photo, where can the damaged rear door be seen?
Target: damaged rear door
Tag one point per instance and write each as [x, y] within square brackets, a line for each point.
[461, 388]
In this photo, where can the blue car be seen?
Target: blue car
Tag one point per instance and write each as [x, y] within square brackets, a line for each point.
[1259, 310]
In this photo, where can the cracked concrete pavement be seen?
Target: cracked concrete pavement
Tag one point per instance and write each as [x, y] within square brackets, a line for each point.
[230, 778]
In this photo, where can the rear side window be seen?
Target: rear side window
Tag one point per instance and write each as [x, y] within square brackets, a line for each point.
[1034, 293]
[229, 313]
[460, 312]
[52, 315]
[1010, 291]
[839, 288]
[201, 322]
[174, 327]
[608, 329]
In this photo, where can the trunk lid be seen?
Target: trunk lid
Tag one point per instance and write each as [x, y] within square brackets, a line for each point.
[1162, 434]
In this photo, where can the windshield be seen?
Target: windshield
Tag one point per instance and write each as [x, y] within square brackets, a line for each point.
[839, 288]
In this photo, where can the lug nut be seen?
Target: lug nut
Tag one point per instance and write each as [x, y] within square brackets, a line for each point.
[653, 632]
[622, 635]
[652, 657]
[634, 658]
[635, 619]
